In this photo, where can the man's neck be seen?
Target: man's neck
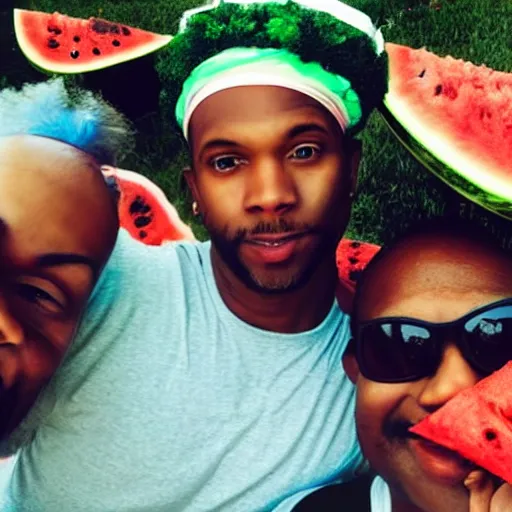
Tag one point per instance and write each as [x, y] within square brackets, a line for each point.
[404, 507]
[289, 312]
[400, 503]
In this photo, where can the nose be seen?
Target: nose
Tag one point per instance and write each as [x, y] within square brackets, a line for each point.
[453, 375]
[11, 330]
[269, 188]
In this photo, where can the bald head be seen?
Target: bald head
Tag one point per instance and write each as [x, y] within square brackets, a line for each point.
[460, 264]
[51, 188]
[58, 226]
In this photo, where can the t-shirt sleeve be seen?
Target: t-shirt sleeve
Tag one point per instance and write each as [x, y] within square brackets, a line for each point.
[109, 306]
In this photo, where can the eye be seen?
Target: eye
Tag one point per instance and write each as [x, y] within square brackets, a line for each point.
[305, 152]
[226, 163]
[47, 300]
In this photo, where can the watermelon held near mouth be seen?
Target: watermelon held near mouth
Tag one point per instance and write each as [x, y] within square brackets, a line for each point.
[60, 44]
[144, 210]
[456, 119]
[477, 424]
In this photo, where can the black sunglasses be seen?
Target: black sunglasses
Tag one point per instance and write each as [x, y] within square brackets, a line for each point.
[397, 349]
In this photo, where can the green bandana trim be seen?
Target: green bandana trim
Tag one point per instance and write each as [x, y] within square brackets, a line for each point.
[299, 75]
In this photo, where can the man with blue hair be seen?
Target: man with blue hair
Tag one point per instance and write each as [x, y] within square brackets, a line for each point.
[207, 376]
[58, 226]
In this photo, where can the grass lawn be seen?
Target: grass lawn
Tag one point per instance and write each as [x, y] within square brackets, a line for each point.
[393, 188]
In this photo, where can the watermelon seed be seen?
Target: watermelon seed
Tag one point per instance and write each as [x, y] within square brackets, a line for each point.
[115, 42]
[76, 39]
[102, 26]
[439, 89]
[142, 234]
[96, 51]
[490, 435]
[139, 206]
[126, 31]
[355, 245]
[114, 29]
[422, 74]
[353, 261]
[53, 44]
[54, 30]
[75, 54]
[143, 221]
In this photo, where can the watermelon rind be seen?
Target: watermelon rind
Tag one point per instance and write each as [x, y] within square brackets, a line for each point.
[456, 169]
[69, 68]
[157, 193]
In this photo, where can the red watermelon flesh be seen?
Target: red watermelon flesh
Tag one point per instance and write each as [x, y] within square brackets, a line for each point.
[456, 119]
[352, 256]
[61, 44]
[477, 424]
[144, 210]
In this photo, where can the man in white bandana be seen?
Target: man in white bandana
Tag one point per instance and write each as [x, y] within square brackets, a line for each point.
[207, 376]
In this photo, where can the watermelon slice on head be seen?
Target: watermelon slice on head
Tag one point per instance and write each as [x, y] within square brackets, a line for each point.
[60, 44]
[144, 210]
[477, 424]
[456, 119]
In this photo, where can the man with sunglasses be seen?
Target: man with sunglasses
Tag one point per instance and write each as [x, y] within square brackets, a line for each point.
[432, 316]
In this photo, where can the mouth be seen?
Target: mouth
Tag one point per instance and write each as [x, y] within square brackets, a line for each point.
[437, 462]
[272, 248]
[274, 240]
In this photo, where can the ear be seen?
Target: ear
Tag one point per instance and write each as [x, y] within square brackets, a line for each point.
[349, 362]
[190, 178]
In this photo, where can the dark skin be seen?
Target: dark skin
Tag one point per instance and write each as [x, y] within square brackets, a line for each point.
[436, 279]
[58, 226]
[271, 163]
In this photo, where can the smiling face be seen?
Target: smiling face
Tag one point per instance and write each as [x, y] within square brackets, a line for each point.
[57, 228]
[272, 174]
[437, 280]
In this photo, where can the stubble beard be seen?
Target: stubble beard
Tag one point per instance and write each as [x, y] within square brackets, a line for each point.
[271, 283]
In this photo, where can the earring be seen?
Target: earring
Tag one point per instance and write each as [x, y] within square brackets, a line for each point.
[195, 209]
[351, 195]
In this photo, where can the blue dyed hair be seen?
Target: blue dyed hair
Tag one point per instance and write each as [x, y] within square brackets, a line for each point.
[75, 117]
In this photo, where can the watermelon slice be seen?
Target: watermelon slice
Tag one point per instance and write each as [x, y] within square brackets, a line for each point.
[144, 210]
[351, 258]
[61, 44]
[477, 424]
[456, 119]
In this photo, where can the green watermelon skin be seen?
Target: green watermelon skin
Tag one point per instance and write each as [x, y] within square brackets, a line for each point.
[455, 118]
[458, 182]
[477, 424]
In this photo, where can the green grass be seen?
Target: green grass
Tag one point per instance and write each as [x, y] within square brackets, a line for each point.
[393, 188]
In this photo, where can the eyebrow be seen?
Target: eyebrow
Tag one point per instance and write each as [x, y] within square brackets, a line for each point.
[307, 127]
[59, 259]
[292, 133]
[216, 143]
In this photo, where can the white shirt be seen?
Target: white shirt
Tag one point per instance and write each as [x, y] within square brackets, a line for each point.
[380, 496]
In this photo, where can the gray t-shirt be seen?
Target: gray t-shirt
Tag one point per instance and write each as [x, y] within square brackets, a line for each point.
[168, 402]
